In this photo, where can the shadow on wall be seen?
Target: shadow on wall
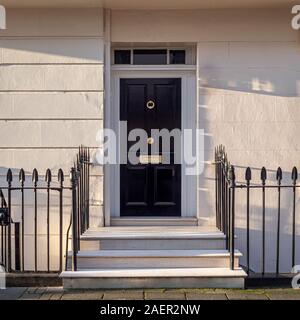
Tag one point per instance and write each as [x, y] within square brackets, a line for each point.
[271, 225]
[250, 104]
[42, 218]
[256, 251]
[279, 81]
[51, 50]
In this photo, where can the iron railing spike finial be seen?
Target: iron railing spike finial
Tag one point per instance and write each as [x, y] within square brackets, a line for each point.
[279, 175]
[22, 175]
[48, 176]
[248, 174]
[60, 175]
[263, 175]
[35, 175]
[294, 175]
[9, 176]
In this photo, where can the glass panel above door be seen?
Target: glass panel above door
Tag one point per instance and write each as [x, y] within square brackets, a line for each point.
[122, 56]
[154, 56]
[177, 56]
[149, 56]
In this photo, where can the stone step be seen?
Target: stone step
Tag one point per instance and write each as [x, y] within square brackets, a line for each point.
[159, 221]
[153, 238]
[131, 259]
[154, 278]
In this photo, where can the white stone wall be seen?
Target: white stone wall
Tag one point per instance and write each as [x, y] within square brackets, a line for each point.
[250, 103]
[51, 101]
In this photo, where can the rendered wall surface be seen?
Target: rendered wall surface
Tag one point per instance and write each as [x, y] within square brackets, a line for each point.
[51, 101]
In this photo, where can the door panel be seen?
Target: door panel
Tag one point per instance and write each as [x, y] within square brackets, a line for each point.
[136, 189]
[151, 189]
[164, 181]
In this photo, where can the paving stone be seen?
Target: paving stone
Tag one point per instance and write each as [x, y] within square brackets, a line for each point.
[124, 295]
[246, 296]
[11, 293]
[171, 295]
[94, 295]
[202, 291]
[56, 296]
[46, 296]
[30, 296]
[206, 296]
[284, 296]
[282, 291]
[55, 289]
[82, 295]
[73, 295]
[40, 290]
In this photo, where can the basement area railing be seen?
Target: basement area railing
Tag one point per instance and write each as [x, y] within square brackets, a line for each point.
[226, 199]
[35, 219]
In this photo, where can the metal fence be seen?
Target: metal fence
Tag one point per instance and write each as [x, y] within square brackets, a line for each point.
[226, 187]
[80, 186]
[16, 244]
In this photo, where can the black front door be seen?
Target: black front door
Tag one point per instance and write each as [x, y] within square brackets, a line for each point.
[152, 187]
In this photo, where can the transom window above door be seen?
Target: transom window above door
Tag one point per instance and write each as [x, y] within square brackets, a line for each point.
[152, 56]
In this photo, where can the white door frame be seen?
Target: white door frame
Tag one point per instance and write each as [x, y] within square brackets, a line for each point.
[188, 121]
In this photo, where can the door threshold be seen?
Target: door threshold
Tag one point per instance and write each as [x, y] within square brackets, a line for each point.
[154, 221]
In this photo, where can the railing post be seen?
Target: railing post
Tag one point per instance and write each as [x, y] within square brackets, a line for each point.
[17, 247]
[216, 187]
[294, 178]
[278, 178]
[232, 215]
[9, 180]
[248, 179]
[263, 177]
[61, 187]
[35, 178]
[22, 181]
[73, 178]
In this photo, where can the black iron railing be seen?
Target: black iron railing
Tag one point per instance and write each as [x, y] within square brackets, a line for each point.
[225, 198]
[30, 211]
[226, 187]
[80, 186]
[16, 215]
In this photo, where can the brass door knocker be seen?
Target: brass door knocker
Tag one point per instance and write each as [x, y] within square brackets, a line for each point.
[150, 104]
[150, 140]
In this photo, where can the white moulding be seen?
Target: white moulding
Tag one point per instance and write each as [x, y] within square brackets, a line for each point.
[2, 17]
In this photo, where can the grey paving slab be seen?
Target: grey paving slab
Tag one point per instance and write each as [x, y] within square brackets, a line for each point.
[55, 289]
[46, 296]
[30, 296]
[284, 296]
[56, 296]
[246, 296]
[82, 295]
[11, 293]
[124, 295]
[31, 289]
[206, 296]
[166, 295]
[57, 293]
[41, 290]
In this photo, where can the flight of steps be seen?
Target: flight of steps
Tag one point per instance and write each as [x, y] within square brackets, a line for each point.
[154, 257]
